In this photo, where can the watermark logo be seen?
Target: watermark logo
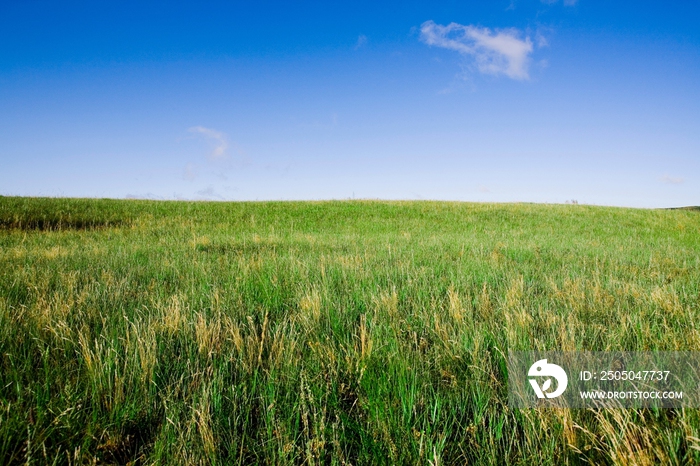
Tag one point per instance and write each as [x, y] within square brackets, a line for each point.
[604, 379]
[542, 368]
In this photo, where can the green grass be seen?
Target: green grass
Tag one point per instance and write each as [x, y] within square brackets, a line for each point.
[330, 332]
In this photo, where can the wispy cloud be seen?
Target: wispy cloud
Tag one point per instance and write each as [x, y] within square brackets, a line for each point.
[147, 196]
[190, 172]
[361, 41]
[217, 138]
[501, 51]
[668, 179]
[326, 123]
[566, 2]
[209, 193]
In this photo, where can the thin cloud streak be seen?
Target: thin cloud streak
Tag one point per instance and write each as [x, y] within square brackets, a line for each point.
[209, 193]
[672, 179]
[566, 2]
[496, 52]
[190, 172]
[217, 137]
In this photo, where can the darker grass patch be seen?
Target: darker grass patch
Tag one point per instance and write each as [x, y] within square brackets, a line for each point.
[132, 443]
[43, 214]
[57, 224]
[247, 248]
[264, 247]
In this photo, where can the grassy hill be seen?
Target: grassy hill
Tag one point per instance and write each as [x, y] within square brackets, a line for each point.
[353, 332]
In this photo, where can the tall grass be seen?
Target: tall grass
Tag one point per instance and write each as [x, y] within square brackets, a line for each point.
[330, 332]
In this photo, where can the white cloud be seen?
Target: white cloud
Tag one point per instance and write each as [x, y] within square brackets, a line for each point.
[190, 172]
[216, 137]
[149, 196]
[361, 41]
[500, 51]
[672, 179]
[566, 2]
[209, 194]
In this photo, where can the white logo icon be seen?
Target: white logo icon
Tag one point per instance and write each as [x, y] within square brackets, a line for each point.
[542, 369]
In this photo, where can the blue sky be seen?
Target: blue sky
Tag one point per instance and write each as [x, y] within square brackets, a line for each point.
[502, 101]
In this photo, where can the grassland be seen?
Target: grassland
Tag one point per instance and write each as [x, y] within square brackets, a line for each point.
[330, 332]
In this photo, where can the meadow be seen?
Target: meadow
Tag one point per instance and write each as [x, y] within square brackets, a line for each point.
[340, 332]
